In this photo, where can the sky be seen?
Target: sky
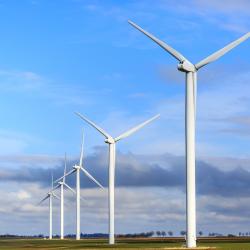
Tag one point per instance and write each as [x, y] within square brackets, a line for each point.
[58, 57]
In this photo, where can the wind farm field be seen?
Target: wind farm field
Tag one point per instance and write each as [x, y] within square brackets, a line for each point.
[154, 243]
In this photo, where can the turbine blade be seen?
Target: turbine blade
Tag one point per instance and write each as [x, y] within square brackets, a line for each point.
[195, 92]
[94, 125]
[91, 177]
[69, 173]
[55, 196]
[56, 187]
[133, 130]
[45, 198]
[82, 199]
[71, 189]
[222, 51]
[162, 44]
[81, 155]
[52, 177]
[65, 166]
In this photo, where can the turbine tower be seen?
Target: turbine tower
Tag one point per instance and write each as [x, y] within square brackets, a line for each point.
[76, 169]
[61, 184]
[191, 91]
[50, 195]
[112, 144]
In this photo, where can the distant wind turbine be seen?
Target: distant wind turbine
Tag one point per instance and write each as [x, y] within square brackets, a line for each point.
[191, 91]
[61, 184]
[112, 143]
[50, 195]
[77, 169]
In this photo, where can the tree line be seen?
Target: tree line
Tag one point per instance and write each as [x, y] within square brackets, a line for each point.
[158, 233]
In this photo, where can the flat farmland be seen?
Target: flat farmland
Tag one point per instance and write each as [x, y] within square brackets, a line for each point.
[236, 243]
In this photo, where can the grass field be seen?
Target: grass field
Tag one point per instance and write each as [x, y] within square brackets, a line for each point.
[229, 244]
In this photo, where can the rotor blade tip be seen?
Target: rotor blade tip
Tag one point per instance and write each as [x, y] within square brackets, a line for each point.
[222, 52]
[133, 24]
[156, 116]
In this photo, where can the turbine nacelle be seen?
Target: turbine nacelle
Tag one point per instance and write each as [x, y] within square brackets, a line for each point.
[109, 140]
[186, 66]
[76, 167]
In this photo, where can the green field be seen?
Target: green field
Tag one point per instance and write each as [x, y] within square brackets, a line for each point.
[229, 244]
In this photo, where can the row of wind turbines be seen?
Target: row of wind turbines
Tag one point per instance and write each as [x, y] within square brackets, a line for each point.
[111, 141]
[190, 71]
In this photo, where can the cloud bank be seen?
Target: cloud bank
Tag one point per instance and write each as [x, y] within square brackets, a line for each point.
[166, 170]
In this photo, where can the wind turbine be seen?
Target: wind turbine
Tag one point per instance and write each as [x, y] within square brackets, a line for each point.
[76, 169]
[50, 196]
[112, 144]
[61, 184]
[191, 91]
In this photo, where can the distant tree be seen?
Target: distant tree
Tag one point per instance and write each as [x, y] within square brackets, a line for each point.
[149, 234]
[212, 234]
[183, 232]
[239, 233]
[200, 233]
[163, 233]
[158, 233]
[143, 235]
[170, 233]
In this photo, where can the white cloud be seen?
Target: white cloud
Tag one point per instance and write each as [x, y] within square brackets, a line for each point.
[37, 86]
[137, 210]
[23, 195]
[14, 142]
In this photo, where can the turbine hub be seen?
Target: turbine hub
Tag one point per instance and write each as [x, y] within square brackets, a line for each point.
[110, 140]
[76, 167]
[186, 66]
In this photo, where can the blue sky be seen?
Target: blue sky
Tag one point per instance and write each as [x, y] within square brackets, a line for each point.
[58, 57]
[80, 55]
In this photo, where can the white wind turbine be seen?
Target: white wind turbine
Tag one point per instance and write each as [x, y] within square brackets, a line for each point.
[61, 184]
[112, 143]
[50, 196]
[76, 169]
[191, 82]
